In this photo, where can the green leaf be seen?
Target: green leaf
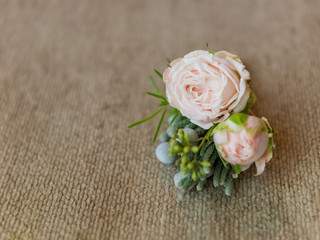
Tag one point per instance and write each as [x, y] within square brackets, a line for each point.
[223, 176]
[146, 119]
[208, 49]
[159, 125]
[211, 130]
[173, 111]
[163, 103]
[155, 85]
[185, 182]
[157, 72]
[216, 174]
[168, 62]
[182, 123]
[157, 96]
[174, 118]
[204, 147]
[224, 162]
[208, 153]
[239, 118]
[200, 184]
[229, 183]
[214, 157]
[237, 168]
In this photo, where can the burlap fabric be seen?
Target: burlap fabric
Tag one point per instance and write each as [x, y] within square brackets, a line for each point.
[72, 78]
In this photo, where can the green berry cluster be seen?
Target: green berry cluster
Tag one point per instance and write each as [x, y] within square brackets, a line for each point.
[180, 145]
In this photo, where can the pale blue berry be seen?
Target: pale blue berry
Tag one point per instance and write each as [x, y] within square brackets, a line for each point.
[193, 135]
[162, 153]
[170, 118]
[178, 177]
[172, 129]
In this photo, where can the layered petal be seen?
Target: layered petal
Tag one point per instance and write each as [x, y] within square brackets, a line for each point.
[207, 87]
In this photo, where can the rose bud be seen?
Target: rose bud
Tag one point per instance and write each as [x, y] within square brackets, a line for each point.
[242, 140]
[207, 87]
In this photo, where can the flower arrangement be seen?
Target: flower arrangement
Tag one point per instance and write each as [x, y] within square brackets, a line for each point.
[210, 133]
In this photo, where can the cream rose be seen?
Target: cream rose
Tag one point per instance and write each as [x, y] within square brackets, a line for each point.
[243, 140]
[207, 87]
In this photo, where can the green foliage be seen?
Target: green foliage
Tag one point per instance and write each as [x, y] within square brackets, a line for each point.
[229, 183]
[204, 147]
[216, 173]
[186, 182]
[146, 119]
[200, 184]
[155, 85]
[208, 153]
[180, 145]
[168, 62]
[175, 112]
[163, 106]
[214, 157]
[159, 125]
[237, 168]
[200, 131]
[223, 176]
[200, 161]
[158, 96]
[238, 118]
[182, 123]
[191, 125]
[208, 49]
[158, 73]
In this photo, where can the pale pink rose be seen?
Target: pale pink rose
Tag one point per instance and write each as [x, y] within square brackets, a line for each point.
[244, 140]
[207, 87]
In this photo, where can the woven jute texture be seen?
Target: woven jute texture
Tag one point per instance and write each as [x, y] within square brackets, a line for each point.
[73, 76]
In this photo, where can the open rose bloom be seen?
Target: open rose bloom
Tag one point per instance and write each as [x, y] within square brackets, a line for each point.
[243, 140]
[207, 87]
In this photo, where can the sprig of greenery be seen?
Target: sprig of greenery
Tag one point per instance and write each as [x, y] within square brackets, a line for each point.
[163, 106]
[174, 112]
[157, 72]
[144, 120]
[208, 49]
[168, 62]
[159, 124]
[155, 85]
[182, 146]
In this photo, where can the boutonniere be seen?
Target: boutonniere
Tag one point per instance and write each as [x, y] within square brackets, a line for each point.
[211, 134]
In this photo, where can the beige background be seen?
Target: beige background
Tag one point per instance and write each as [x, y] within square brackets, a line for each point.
[72, 78]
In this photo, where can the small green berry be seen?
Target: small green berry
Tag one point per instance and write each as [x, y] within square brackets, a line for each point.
[205, 164]
[184, 159]
[172, 142]
[190, 165]
[187, 149]
[185, 171]
[187, 137]
[177, 148]
[183, 165]
[181, 138]
[194, 176]
[195, 149]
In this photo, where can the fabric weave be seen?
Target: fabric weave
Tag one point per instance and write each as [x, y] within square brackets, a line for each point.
[73, 76]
